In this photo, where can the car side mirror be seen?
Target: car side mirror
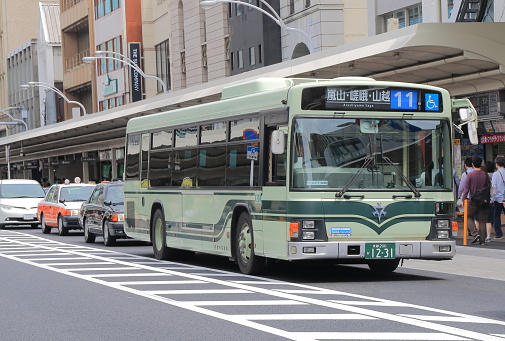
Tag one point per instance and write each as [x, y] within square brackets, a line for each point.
[107, 203]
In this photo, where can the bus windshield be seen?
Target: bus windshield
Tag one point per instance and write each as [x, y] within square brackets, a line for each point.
[370, 154]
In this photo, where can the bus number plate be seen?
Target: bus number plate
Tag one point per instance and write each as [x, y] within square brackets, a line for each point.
[380, 251]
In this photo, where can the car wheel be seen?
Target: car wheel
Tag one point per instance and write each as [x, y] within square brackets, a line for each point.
[45, 229]
[62, 230]
[89, 237]
[247, 261]
[108, 240]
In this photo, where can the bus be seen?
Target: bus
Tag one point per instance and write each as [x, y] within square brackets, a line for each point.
[349, 170]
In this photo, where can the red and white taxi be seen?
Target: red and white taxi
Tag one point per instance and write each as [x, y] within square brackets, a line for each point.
[60, 207]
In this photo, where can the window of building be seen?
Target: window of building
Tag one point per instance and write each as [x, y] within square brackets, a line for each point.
[109, 65]
[260, 59]
[406, 16]
[104, 7]
[163, 64]
[240, 59]
[450, 6]
[252, 56]
[110, 103]
[307, 3]
[232, 60]
[291, 6]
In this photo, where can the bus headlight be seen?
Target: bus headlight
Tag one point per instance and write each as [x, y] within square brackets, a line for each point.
[309, 235]
[443, 234]
[309, 224]
[443, 224]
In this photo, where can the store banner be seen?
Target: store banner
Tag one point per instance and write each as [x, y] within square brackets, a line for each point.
[492, 138]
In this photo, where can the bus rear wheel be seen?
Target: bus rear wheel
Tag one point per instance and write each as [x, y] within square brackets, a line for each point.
[247, 261]
[159, 241]
[384, 266]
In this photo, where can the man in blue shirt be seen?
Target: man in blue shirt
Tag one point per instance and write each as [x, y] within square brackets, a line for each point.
[498, 182]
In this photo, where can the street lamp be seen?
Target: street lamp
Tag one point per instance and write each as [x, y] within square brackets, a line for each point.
[275, 17]
[16, 120]
[128, 61]
[49, 86]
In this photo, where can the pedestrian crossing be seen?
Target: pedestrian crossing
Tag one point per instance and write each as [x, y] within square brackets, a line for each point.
[290, 310]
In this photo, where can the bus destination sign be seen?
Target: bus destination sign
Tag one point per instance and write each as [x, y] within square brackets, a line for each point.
[382, 99]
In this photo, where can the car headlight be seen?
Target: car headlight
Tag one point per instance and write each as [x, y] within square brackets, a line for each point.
[74, 212]
[6, 207]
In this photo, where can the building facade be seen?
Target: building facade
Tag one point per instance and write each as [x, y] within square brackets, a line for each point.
[18, 24]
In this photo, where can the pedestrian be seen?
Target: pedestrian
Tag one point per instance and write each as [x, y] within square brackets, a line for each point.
[489, 169]
[498, 183]
[77, 180]
[475, 182]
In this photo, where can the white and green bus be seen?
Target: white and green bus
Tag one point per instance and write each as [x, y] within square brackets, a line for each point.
[350, 170]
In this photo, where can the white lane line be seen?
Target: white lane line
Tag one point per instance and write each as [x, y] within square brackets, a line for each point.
[142, 274]
[197, 292]
[95, 269]
[281, 317]
[372, 303]
[291, 335]
[379, 336]
[466, 319]
[55, 258]
[160, 282]
[80, 263]
[246, 303]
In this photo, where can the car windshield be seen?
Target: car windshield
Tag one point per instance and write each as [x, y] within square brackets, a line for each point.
[362, 154]
[115, 194]
[76, 193]
[21, 191]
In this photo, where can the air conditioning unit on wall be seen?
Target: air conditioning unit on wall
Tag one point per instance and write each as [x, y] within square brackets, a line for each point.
[392, 24]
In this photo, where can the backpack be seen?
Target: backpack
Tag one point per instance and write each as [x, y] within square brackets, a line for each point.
[482, 196]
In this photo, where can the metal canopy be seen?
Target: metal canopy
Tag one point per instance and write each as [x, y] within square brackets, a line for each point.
[464, 58]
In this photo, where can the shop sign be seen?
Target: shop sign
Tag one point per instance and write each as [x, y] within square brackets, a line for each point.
[456, 142]
[66, 162]
[31, 167]
[89, 159]
[492, 138]
[55, 163]
[135, 78]
[486, 104]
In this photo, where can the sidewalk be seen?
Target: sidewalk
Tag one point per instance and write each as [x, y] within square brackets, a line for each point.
[498, 244]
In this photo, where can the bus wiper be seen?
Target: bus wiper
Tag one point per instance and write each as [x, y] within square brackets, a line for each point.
[368, 159]
[413, 188]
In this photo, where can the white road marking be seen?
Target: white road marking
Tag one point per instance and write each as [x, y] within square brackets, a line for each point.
[246, 303]
[441, 332]
[279, 317]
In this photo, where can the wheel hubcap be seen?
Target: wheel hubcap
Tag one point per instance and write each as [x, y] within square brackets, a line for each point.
[244, 243]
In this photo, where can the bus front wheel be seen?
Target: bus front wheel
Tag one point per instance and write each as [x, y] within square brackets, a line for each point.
[384, 266]
[247, 261]
[159, 241]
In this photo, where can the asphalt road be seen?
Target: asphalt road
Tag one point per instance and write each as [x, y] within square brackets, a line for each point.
[60, 288]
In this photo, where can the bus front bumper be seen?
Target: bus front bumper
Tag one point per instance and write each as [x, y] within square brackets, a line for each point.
[354, 251]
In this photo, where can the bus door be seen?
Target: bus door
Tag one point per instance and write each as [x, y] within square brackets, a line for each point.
[273, 200]
[143, 211]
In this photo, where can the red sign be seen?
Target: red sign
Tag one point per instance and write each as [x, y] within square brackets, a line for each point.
[492, 138]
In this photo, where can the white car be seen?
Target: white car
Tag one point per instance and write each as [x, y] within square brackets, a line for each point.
[18, 202]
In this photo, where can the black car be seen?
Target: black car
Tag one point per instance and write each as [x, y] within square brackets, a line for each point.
[103, 213]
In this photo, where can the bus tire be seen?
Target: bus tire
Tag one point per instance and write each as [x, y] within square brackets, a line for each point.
[248, 262]
[159, 238]
[384, 266]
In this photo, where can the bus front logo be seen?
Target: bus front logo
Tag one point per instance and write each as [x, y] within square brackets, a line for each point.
[379, 211]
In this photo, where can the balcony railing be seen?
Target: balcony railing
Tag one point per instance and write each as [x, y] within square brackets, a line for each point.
[67, 4]
[76, 60]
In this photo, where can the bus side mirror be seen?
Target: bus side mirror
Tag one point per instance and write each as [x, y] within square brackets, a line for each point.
[465, 114]
[277, 142]
[472, 132]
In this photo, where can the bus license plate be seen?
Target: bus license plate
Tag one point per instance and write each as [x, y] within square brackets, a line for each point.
[380, 251]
